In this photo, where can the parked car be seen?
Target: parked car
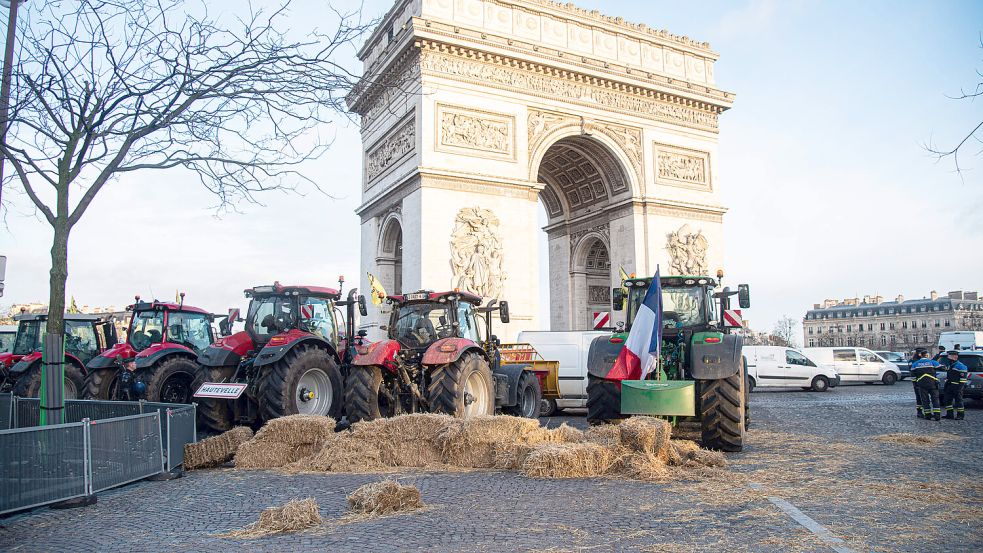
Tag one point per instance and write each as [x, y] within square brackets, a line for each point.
[899, 359]
[855, 364]
[974, 363]
[782, 367]
[570, 348]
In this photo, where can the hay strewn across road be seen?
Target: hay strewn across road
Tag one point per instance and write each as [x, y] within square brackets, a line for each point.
[294, 516]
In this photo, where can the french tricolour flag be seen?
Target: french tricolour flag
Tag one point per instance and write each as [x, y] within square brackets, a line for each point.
[640, 356]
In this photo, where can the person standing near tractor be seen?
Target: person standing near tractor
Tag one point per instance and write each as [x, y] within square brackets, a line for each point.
[955, 380]
[915, 356]
[927, 384]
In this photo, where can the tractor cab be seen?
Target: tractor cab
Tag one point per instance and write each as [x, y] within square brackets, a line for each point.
[688, 302]
[159, 322]
[419, 319]
[276, 310]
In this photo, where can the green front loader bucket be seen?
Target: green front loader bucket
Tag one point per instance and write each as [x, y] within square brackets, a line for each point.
[658, 397]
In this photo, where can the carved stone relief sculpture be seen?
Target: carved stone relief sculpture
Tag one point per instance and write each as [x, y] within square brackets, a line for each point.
[476, 253]
[467, 131]
[687, 251]
[682, 167]
[390, 150]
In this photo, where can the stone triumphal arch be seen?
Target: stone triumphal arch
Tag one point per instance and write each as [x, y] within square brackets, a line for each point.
[474, 111]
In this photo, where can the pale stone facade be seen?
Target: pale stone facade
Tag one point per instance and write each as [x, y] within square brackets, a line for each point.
[475, 110]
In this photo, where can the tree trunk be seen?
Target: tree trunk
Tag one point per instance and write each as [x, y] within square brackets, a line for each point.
[53, 356]
[58, 277]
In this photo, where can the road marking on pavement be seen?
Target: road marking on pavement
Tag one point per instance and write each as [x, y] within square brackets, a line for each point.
[807, 522]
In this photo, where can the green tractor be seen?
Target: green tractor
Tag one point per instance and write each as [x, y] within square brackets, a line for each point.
[701, 375]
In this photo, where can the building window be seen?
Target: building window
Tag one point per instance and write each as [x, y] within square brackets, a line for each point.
[891, 311]
[849, 328]
[810, 330]
[938, 323]
[883, 340]
[904, 324]
[935, 308]
[924, 324]
[947, 323]
[862, 342]
[812, 343]
[926, 338]
[870, 326]
[890, 325]
[882, 326]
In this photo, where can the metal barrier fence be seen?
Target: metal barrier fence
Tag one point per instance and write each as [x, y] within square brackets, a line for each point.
[102, 445]
[6, 411]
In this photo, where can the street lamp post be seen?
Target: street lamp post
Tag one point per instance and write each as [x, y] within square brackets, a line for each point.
[8, 69]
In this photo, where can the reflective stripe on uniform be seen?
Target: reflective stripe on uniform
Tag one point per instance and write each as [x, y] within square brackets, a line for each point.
[926, 376]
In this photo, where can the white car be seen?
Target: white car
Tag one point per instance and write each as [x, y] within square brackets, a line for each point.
[855, 364]
[570, 348]
[781, 367]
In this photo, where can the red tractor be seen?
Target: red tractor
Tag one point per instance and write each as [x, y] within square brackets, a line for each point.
[157, 360]
[291, 358]
[85, 337]
[436, 361]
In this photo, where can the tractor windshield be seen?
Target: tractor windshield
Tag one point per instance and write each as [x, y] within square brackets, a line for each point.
[146, 328]
[189, 329]
[29, 336]
[268, 316]
[80, 340]
[421, 324]
[681, 307]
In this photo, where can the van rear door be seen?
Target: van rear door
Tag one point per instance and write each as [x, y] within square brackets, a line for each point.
[847, 365]
[771, 367]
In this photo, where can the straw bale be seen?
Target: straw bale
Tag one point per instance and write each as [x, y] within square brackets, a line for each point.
[407, 440]
[643, 466]
[607, 435]
[297, 429]
[577, 460]
[295, 515]
[646, 435]
[566, 434]
[681, 451]
[483, 441]
[384, 497]
[270, 454]
[707, 458]
[216, 450]
[344, 453]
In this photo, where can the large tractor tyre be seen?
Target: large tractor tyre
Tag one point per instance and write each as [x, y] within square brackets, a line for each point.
[29, 383]
[529, 398]
[171, 380]
[214, 415]
[463, 389]
[364, 397]
[603, 401]
[305, 381]
[101, 384]
[723, 413]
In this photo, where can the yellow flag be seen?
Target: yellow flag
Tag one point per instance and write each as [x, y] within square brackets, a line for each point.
[623, 274]
[73, 308]
[378, 292]
[177, 296]
[624, 290]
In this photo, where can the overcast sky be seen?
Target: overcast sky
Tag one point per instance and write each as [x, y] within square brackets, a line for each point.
[822, 165]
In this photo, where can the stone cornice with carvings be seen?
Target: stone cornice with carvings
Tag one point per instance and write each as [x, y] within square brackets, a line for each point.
[440, 32]
[483, 69]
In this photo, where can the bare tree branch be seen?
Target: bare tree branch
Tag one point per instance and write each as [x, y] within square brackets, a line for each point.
[942, 153]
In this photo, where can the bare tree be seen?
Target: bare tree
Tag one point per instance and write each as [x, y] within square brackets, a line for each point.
[103, 88]
[974, 135]
[784, 332]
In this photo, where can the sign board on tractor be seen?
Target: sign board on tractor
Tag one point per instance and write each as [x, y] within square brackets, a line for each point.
[221, 390]
[733, 319]
[601, 319]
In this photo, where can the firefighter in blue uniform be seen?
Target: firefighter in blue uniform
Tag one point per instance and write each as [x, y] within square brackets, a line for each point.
[955, 380]
[927, 384]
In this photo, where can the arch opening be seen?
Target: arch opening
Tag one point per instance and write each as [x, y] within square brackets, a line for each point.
[390, 258]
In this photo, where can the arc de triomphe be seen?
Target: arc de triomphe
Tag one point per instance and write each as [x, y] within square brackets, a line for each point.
[475, 110]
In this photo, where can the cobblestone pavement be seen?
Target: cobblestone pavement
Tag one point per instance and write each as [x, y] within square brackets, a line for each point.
[815, 451]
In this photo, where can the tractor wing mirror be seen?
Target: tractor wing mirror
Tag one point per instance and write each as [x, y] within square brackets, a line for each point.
[743, 296]
[362, 309]
[503, 311]
[617, 298]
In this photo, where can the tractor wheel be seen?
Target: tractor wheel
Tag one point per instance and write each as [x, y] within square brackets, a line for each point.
[305, 381]
[101, 384]
[548, 408]
[603, 401]
[170, 381]
[529, 398]
[722, 412]
[29, 384]
[364, 397]
[214, 415]
[463, 388]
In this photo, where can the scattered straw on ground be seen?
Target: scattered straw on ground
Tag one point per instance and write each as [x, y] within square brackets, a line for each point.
[383, 498]
[216, 450]
[905, 438]
[294, 516]
[639, 447]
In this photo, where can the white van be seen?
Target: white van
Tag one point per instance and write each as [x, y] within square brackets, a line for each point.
[570, 348]
[855, 364]
[781, 367]
[967, 339]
